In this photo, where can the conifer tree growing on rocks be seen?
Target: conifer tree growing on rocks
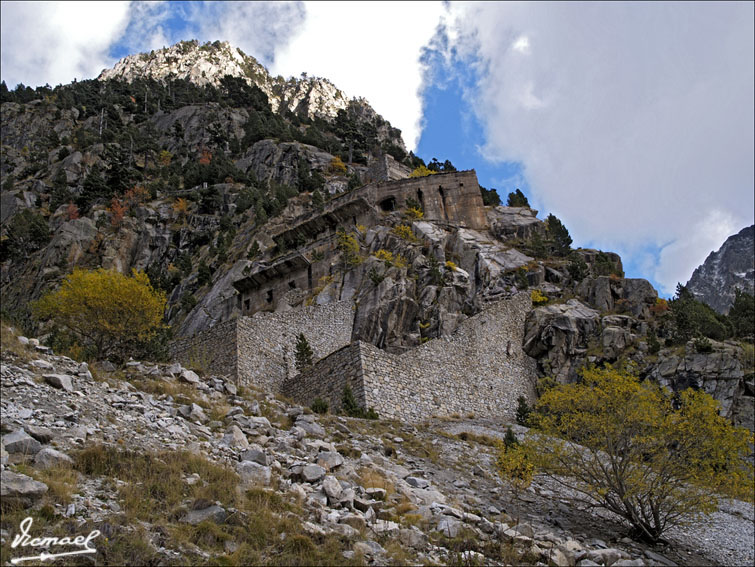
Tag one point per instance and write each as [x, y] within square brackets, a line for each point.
[303, 353]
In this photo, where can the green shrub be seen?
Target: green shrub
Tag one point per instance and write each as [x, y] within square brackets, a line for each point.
[523, 411]
[517, 199]
[319, 406]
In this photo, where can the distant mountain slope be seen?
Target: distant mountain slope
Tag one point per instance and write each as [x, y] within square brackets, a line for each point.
[732, 266]
[207, 64]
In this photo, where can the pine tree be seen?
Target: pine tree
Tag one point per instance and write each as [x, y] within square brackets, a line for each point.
[303, 355]
[517, 199]
[559, 236]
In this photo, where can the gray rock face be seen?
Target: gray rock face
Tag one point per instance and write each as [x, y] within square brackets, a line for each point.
[508, 223]
[49, 457]
[61, 381]
[557, 335]
[20, 442]
[213, 513]
[719, 373]
[731, 266]
[19, 489]
[603, 293]
[312, 473]
[253, 473]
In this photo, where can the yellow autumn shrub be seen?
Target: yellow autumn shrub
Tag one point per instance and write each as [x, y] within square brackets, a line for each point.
[653, 457]
[107, 311]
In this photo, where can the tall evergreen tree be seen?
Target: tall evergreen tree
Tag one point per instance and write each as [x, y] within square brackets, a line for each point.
[303, 354]
[558, 235]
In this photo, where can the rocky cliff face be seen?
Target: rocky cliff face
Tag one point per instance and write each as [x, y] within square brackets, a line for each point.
[207, 64]
[731, 266]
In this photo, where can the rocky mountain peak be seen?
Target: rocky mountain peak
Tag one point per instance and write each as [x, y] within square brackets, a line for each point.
[731, 266]
[206, 64]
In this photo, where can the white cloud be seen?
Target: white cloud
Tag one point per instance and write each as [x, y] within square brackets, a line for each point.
[633, 121]
[368, 49]
[258, 28]
[705, 236]
[54, 42]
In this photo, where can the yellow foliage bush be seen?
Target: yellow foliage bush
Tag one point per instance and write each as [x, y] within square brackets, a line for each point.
[422, 171]
[349, 247]
[414, 213]
[514, 463]
[107, 311]
[404, 231]
[451, 265]
[384, 255]
[337, 166]
[538, 298]
[400, 262]
[653, 457]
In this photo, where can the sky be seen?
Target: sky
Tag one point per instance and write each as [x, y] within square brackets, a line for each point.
[631, 122]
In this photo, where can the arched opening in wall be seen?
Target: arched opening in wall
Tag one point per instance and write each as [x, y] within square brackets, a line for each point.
[354, 221]
[292, 285]
[309, 276]
[269, 296]
[443, 202]
[420, 200]
[388, 204]
[247, 305]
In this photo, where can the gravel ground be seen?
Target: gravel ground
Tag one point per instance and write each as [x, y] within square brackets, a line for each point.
[726, 537]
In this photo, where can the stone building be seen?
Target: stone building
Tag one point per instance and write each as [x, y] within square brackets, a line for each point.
[452, 198]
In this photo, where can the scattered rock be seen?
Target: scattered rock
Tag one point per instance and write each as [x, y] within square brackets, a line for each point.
[61, 381]
[19, 489]
[189, 376]
[49, 457]
[212, 513]
[254, 473]
[20, 442]
[312, 473]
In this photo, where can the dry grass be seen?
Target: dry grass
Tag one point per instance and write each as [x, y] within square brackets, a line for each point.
[486, 440]
[181, 393]
[371, 478]
[11, 346]
[154, 483]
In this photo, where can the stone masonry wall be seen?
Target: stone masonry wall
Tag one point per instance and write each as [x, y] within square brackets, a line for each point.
[267, 341]
[214, 350]
[481, 369]
[328, 379]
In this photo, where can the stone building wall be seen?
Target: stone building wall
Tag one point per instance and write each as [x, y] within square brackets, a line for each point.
[480, 370]
[267, 341]
[214, 350]
[328, 379]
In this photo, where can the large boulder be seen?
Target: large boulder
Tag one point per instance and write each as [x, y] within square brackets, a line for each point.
[19, 490]
[507, 223]
[630, 295]
[719, 373]
[557, 336]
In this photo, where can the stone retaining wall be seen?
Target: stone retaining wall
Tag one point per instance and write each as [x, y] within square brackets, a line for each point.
[327, 379]
[213, 351]
[480, 370]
